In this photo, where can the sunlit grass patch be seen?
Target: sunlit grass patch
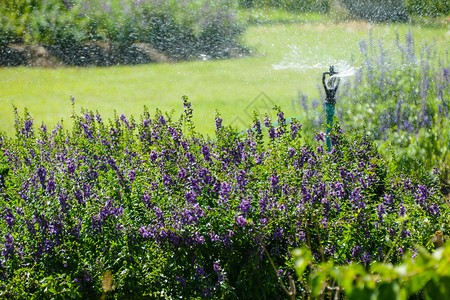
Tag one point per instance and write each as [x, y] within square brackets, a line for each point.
[230, 86]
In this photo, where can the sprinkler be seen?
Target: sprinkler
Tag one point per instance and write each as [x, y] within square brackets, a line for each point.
[330, 85]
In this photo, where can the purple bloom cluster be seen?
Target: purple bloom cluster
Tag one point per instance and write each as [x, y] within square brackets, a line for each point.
[206, 206]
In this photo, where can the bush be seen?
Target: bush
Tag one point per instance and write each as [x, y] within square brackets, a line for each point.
[377, 10]
[86, 32]
[427, 8]
[320, 6]
[403, 100]
[399, 97]
[151, 207]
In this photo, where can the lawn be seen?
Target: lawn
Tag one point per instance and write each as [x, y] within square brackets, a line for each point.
[286, 58]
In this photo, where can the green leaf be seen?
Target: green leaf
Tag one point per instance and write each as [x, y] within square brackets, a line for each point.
[318, 283]
[358, 294]
[438, 288]
[303, 259]
[417, 282]
[391, 290]
[386, 271]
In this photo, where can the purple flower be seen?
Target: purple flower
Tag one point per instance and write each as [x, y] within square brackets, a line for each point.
[87, 131]
[338, 190]
[392, 232]
[190, 197]
[388, 200]
[241, 180]
[267, 122]
[62, 198]
[51, 185]
[244, 206]
[158, 212]
[199, 271]
[109, 210]
[8, 250]
[214, 237]
[240, 221]
[167, 180]
[161, 120]
[320, 137]
[206, 292]
[28, 128]
[198, 239]
[356, 198]
[55, 228]
[434, 210]
[257, 126]
[216, 267]
[263, 202]
[301, 236]
[48, 245]
[356, 251]
[75, 231]
[218, 122]
[175, 134]
[188, 217]
[272, 133]
[407, 184]
[281, 118]
[79, 196]
[402, 211]
[329, 250]
[291, 152]
[274, 181]
[405, 233]
[295, 128]
[380, 211]
[278, 233]
[205, 175]
[146, 199]
[182, 173]
[123, 118]
[9, 217]
[225, 190]
[365, 258]
[132, 175]
[153, 156]
[421, 195]
[145, 233]
[42, 174]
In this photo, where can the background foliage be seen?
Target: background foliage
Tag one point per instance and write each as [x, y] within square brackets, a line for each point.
[106, 32]
[423, 275]
[93, 32]
[399, 97]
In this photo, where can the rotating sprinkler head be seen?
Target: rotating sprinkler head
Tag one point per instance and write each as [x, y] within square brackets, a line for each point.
[330, 84]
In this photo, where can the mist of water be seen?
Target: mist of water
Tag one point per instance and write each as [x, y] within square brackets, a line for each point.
[295, 60]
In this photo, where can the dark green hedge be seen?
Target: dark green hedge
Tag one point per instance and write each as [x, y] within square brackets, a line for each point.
[295, 5]
[98, 32]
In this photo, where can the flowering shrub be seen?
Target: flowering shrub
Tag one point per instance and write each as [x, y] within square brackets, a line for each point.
[407, 105]
[399, 98]
[162, 211]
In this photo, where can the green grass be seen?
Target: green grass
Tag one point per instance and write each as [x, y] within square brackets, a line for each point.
[227, 85]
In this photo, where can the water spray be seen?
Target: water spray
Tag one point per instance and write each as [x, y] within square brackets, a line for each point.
[330, 85]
